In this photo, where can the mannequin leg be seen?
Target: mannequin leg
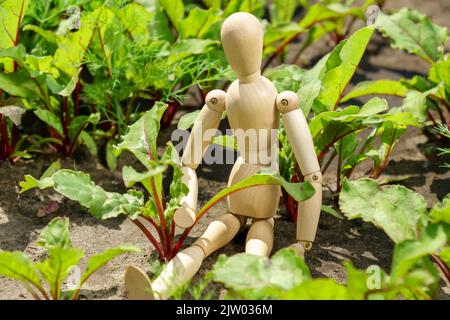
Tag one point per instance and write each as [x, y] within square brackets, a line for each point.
[260, 237]
[187, 262]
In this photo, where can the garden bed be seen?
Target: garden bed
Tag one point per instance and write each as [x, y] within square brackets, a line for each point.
[23, 216]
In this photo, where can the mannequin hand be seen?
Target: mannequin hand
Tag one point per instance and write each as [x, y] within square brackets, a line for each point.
[184, 217]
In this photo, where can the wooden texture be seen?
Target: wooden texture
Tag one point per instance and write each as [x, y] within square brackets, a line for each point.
[137, 284]
[219, 233]
[208, 120]
[178, 271]
[184, 217]
[309, 210]
[260, 238]
[256, 202]
[253, 106]
[242, 40]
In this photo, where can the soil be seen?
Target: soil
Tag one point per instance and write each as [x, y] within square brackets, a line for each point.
[414, 158]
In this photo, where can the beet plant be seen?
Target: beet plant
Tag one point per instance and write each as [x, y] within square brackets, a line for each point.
[426, 97]
[347, 134]
[157, 212]
[422, 247]
[46, 279]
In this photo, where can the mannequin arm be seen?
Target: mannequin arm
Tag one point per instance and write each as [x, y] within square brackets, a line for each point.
[300, 138]
[198, 142]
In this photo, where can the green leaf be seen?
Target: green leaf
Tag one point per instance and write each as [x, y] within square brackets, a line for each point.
[307, 94]
[441, 211]
[72, 48]
[319, 12]
[31, 183]
[99, 260]
[101, 204]
[286, 77]
[395, 209]
[198, 23]
[299, 191]
[141, 136]
[48, 35]
[80, 123]
[187, 120]
[111, 158]
[78, 186]
[409, 252]
[56, 234]
[226, 141]
[414, 32]
[415, 103]
[89, 142]
[340, 67]
[357, 282]
[17, 53]
[138, 26]
[188, 47]
[12, 13]
[388, 87]
[256, 7]
[445, 256]
[317, 289]
[260, 277]
[344, 118]
[53, 168]
[131, 176]
[57, 266]
[440, 72]
[332, 212]
[20, 84]
[174, 10]
[17, 266]
[282, 11]
[51, 119]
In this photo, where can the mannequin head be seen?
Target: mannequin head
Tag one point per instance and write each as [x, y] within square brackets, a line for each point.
[242, 40]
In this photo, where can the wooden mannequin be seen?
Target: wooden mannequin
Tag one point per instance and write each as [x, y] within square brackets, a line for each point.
[251, 102]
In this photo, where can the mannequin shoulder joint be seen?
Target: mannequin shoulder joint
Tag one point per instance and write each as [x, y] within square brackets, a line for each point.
[287, 101]
[215, 100]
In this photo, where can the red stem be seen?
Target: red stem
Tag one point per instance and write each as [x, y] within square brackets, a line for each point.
[150, 237]
[159, 207]
[279, 50]
[200, 214]
[169, 114]
[172, 230]
[445, 270]
[17, 38]
[155, 225]
[4, 131]
[77, 98]
[325, 150]
[339, 168]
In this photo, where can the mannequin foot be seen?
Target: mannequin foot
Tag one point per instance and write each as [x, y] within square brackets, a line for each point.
[138, 285]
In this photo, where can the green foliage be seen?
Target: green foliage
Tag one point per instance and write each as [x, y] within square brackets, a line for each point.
[414, 32]
[141, 142]
[444, 131]
[412, 275]
[57, 265]
[261, 277]
[395, 209]
[417, 234]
